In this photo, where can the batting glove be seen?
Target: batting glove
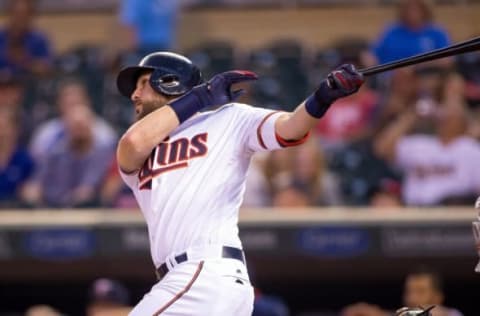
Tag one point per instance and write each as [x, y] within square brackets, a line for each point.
[343, 81]
[217, 91]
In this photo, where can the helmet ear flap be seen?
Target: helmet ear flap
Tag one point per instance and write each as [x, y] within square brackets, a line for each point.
[197, 77]
[164, 83]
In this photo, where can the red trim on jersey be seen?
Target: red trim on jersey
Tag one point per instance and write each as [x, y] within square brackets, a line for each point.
[158, 171]
[180, 294]
[259, 132]
[288, 143]
[129, 173]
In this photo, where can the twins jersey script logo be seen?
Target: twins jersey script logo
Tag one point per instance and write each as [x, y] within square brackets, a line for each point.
[172, 155]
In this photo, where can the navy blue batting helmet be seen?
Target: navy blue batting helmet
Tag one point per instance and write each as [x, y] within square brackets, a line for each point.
[172, 74]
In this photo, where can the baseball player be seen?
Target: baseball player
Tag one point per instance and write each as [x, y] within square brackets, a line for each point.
[187, 171]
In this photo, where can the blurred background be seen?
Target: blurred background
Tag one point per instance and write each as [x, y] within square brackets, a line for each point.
[373, 213]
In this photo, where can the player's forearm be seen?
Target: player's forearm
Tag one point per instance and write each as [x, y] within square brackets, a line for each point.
[293, 126]
[139, 140]
[342, 82]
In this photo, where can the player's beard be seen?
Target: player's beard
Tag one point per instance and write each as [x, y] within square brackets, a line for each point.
[148, 107]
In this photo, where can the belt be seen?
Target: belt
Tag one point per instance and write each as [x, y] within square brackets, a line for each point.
[227, 252]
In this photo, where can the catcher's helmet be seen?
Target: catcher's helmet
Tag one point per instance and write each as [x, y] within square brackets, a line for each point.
[172, 74]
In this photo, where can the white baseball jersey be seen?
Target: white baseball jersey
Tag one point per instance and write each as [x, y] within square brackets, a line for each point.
[191, 187]
[434, 171]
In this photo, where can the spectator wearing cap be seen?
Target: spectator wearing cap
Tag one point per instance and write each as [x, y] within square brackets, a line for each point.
[23, 49]
[107, 297]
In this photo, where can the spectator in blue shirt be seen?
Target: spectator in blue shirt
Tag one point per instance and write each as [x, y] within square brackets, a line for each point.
[70, 174]
[22, 48]
[16, 165]
[412, 34]
[150, 24]
[70, 92]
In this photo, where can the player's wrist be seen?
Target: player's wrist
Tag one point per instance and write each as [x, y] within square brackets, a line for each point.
[187, 105]
[318, 103]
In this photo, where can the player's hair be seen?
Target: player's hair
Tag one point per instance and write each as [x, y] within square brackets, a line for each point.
[434, 276]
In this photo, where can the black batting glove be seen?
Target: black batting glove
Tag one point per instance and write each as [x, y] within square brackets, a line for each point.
[217, 91]
[342, 82]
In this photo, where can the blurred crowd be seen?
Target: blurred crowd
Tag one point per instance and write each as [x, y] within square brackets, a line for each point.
[408, 137]
[422, 287]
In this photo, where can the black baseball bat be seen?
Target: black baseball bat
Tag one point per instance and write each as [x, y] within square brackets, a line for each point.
[455, 49]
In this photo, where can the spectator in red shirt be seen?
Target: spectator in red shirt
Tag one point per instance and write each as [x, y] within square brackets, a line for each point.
[351, 118]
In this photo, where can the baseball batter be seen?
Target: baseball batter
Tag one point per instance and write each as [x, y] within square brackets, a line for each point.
[187, 170]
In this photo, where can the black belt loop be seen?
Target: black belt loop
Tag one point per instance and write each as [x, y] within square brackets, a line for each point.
[181, 258]
[227, 252]
[233, 253]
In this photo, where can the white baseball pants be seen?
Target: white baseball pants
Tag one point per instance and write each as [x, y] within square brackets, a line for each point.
[209, 287]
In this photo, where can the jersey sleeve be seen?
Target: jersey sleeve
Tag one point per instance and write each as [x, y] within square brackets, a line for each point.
[258, 130]
[130, 179]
